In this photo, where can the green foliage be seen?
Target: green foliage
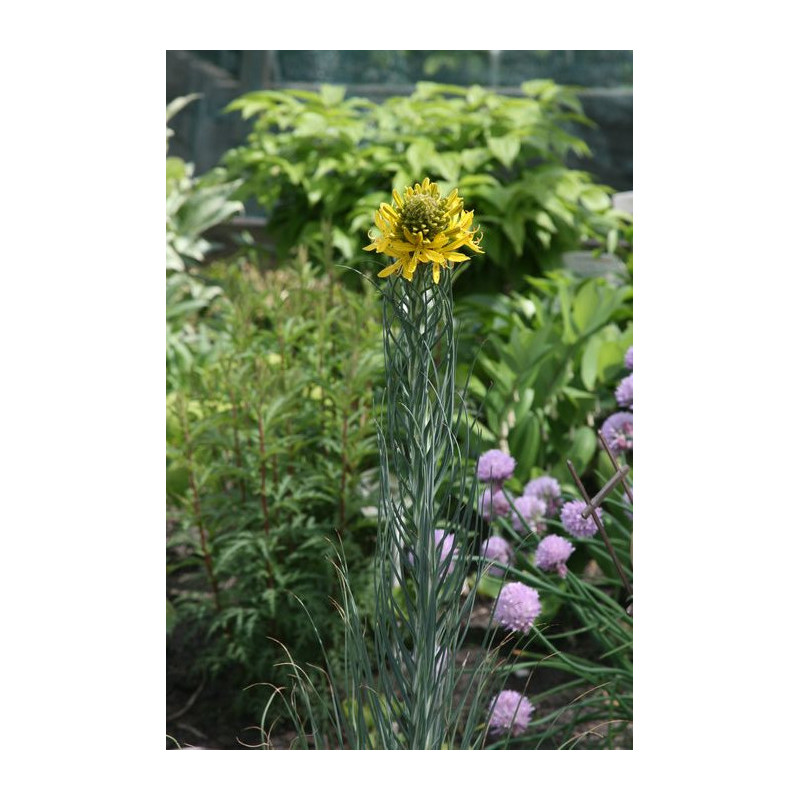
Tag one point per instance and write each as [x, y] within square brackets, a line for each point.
[319, 164]
[271, 459]
[193, 206]
[545, 362]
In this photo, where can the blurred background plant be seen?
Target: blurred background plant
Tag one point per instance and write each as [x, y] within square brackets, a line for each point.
[318, 162]
[193, 207]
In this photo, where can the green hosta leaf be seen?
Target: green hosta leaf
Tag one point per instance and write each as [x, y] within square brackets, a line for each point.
[585, 305]
[610, 357]
[602, 354]
[504, 148]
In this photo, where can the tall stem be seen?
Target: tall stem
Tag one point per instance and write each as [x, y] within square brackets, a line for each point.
[417, 449]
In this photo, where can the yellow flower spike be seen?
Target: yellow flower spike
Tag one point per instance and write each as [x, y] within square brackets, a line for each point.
[421, 227]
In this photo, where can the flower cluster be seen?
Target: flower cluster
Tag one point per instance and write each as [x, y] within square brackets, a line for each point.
[548, 490]
[552, 554]
[528, 511]
[617, 430]
[510, 713]
[495, 467]
[575, 524]
[517, 607]
[624, 392]
[421, 227]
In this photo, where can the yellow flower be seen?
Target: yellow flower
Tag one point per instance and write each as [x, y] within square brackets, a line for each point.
[421, 227]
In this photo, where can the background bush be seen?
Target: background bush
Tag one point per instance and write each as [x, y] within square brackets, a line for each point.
[319, 164]
[544, 363]
[271, 458]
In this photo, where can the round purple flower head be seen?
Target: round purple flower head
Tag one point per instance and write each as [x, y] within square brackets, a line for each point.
[629, 358]
[493, 504]
[547, 489]
[495, 466]
[552, 554]
[510, 712]
[532, 511]
[617, 430]
[575, 524]
[517, 607]
[624, 392]
[497, 549]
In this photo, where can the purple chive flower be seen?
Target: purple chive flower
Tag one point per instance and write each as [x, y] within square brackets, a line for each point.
[552, 554]
[575, 524]
[532, 510]
[624, 392]
[617, 430]
[547, 489]
[629, 358]
[495, 466]
[510, 712]
[497, 549]
[517, 607]
[493, 504]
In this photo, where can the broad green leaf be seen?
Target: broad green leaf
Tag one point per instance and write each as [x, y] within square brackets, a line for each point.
[176, 169]
[504, 148]
[418, 154]
[474, 158]
[523, 441]
[582, 448]
[331, 95]
[595, 199]
[514, 228]
[447, 165]
[610, 358]
[585, 305]
[543, 220]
